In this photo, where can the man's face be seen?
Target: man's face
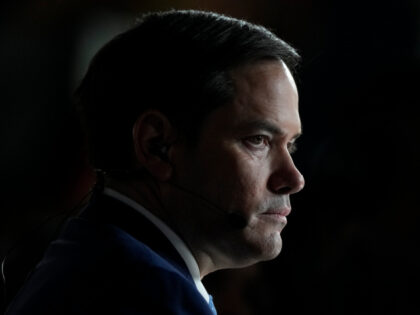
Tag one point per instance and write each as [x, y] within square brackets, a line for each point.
[243, 165]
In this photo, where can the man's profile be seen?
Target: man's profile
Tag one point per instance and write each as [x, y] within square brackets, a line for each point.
[191, 118]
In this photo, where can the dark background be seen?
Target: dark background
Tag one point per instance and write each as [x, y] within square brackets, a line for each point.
[352, 240]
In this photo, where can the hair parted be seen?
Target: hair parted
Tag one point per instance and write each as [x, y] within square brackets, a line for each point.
[177, 62]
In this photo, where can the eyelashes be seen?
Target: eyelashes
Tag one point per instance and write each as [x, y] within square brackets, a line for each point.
[292, 147]
[261, 142]
[258, 141]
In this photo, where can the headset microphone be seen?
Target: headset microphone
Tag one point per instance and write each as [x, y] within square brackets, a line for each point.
[234, 219]
[237, 221]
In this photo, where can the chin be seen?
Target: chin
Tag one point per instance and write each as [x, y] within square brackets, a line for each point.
[273, 252]
[252, 249]
[258, 257]
[266, 250]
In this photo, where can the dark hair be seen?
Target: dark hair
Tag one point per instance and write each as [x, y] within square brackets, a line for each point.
[177, 62]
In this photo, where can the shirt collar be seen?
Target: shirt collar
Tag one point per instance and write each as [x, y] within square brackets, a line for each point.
[175, 240]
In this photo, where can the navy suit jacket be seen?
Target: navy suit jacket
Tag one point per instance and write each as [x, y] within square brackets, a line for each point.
[110, 260]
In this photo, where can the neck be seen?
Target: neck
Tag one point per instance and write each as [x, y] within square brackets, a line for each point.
[151, 195]
[144, 191]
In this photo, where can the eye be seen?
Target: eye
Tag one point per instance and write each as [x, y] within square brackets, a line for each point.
[257, 141]
[292, 147]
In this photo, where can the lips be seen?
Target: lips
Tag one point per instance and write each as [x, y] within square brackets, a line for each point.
[280, 212]
[277, 215]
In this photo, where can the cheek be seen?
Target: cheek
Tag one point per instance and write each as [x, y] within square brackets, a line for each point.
[246, 181]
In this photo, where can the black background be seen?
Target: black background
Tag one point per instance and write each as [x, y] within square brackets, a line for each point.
[352, 240]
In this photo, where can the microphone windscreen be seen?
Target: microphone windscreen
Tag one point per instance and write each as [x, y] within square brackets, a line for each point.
[237, 221]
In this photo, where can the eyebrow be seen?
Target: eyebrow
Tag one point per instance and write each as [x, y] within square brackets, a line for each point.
[267, 126]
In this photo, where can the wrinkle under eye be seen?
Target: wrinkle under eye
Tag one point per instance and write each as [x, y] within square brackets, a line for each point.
[256, 139]
[257, 142]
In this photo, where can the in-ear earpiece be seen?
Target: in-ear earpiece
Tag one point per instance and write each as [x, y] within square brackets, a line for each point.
[160, 150]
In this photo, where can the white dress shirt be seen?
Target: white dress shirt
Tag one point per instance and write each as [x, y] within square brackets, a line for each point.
[175, 240]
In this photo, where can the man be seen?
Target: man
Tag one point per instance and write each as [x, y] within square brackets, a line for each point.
[192, 118]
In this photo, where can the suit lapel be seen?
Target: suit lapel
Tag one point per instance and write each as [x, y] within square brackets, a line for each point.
[107, 210]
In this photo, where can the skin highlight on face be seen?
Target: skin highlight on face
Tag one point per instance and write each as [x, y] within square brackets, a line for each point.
[243, 164]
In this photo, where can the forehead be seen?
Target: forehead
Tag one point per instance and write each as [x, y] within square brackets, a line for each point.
[266, 91]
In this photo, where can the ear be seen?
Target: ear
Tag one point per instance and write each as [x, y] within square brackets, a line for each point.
[152, 136]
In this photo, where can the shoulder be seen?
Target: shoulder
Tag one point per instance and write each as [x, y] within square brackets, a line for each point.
[98, 266]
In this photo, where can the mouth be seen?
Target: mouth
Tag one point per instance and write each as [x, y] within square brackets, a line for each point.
[278, 214]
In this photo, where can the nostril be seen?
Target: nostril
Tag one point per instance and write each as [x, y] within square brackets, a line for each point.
[283, 191]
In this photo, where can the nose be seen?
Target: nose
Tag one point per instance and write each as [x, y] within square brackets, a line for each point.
[286, 178]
